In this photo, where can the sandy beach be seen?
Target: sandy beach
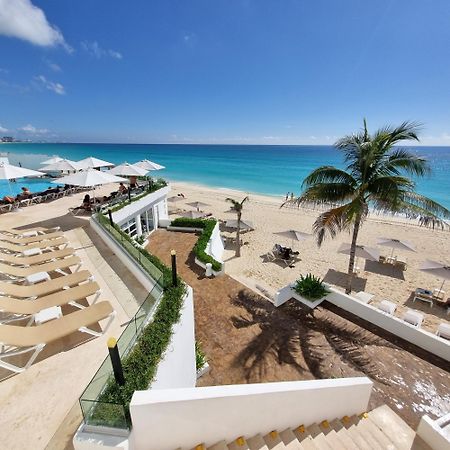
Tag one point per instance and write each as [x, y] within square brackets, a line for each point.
[385, 283]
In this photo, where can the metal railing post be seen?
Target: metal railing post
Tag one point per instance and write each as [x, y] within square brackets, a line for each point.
[173, 254]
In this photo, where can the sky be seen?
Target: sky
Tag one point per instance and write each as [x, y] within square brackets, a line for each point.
[222, 71]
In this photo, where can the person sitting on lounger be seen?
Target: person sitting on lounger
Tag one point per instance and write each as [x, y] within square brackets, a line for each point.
[133, 182]
[122, 189]
[25, 194]
[86, 203]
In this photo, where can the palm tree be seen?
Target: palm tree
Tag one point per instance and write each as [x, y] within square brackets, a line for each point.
[375, 176]
[238, 207]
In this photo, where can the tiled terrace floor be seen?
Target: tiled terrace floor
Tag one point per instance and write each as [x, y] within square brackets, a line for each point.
[248, 340]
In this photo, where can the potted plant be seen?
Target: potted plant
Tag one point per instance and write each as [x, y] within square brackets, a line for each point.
[310, 287]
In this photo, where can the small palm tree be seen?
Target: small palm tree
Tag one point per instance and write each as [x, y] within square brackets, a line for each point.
[375, 177]
[238, 207]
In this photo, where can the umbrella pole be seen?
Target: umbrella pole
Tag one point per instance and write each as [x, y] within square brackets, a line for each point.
[442, 285]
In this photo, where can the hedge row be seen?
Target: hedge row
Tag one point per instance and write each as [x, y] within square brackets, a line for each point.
[200, 247]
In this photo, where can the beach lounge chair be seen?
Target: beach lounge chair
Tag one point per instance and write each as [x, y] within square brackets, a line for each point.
[52, 266]
[387, 307]
[46, 287]
[40, 245]
[443, 330]
[30, 239]
[16, 309]
[413, 317]
[28, 231]
[364, 297]
[40, 258]
[424, 295]
[16, 340]
[438, 294]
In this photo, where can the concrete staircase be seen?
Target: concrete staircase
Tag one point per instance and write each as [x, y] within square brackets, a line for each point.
[380, 429]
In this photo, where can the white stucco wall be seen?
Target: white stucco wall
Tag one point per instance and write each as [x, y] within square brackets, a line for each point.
[432, 433]
[168, 419]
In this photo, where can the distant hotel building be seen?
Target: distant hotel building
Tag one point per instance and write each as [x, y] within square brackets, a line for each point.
[7, 139]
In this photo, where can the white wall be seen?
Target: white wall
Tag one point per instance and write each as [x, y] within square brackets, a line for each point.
[172, 418]
[177, 367]
[432, 433]
[423, 339]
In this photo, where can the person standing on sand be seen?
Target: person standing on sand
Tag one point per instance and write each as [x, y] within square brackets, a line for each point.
[287, 196]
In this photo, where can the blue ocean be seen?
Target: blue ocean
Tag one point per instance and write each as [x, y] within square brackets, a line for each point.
[272, 170]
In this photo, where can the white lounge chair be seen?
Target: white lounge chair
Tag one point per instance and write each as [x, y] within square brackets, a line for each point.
[30, 239]
[443, 330]
[413, 317]
[29, 231]
[387, 307]
[40, 245]
[364, 297]
[39, 258]
[16, 340]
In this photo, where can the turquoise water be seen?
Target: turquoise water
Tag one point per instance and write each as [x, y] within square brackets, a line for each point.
[273, 170]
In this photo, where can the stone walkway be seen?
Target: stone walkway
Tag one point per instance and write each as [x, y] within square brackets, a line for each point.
[248, 340]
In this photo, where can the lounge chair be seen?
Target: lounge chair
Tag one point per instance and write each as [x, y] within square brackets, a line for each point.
[438, 294]
[52, 266]
[364, 297]
[30, 239]
[15, 309]
[47, 287]
[40, 245]
[413, 318]
[36, 259]
[28, 231]
[423, 295]
[443, 330]
[387, 307]
[16, 340]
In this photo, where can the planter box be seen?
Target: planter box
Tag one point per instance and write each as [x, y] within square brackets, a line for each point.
[185, 229]
[216, 274]
[203, 370]
[286, 293]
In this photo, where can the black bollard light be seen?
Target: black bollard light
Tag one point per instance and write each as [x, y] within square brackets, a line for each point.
[129, 194]
[110, 217]
[115, 361]
[173, 254]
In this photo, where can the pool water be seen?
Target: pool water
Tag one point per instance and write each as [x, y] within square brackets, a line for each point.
[33, 184]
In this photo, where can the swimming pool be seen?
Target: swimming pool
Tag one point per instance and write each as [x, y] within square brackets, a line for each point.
[33, 184]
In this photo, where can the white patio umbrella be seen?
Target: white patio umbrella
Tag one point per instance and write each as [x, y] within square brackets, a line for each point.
[64, 165]
[372, 254]
[128, 170]
[52, 160]
[175, 199]
[149, 165]
[89, 178]
[396, 244]
[198, 205]
[440, 270]
[244, 225]
[93, 162]
[193, 215]
[293, 235]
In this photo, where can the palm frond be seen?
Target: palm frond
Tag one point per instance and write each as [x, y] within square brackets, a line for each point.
[430, 207]
[403, 160]
[328, 174]
[326, 193]
[389, 187]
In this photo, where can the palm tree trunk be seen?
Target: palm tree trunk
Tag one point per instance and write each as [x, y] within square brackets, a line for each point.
[351, 264]
[238, 235]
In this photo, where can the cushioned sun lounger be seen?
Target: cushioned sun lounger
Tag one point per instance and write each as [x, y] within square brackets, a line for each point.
[31, 239]
[28, 231]
[44, 288]
[36, 259]
[16, 340]
[52, 266]
[18, 309]
[41, 245]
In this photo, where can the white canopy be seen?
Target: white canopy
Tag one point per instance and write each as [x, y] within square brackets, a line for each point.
[440, 270]
[93, 162]
[149, 165]
[52, 160]
[361, 251]
[128, 170]
[397, 244]
[193, 215]
[293, 235]
[198, 205]
[89, 177]
[64, 165]
[10, 172]
[244, 225]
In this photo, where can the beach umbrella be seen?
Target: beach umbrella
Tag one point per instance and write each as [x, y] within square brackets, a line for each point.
[396, 244]
[193, 215]
[438, 269]
[149, 165]
[293, 235]
[175, 199]
[198, 205]
[244, 225]
[128, 170]
[93, 162]
[52, 160]
[63, 165]
[10, 172]
[372, 254]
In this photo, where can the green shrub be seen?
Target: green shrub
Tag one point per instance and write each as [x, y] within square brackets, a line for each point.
[200, 357]
[310, 287]
[200, 247]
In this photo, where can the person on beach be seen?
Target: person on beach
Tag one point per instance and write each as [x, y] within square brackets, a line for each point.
[133, 182]
[25, 194]
[122, 189]
[287, 196]
[292, 196]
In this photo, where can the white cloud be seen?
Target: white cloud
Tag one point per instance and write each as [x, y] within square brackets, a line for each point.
[94, 49]
[23, 20]
[57, 88]
[33, 130]
[3, 129]
[53, 66]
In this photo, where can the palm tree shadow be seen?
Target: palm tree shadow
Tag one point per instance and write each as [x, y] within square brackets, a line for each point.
[304, 339]
[340, 279]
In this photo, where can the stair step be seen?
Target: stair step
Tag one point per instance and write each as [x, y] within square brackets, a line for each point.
[401, 435]
[319, 438]
[257, 443]
[331, 436]
[199, 447]
[290, 440]
[343, 435]
[377, 434]
[304, 437]
[273, 441]
[238, 444]
[222, 445]
[357, 437]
